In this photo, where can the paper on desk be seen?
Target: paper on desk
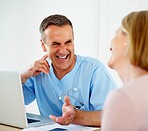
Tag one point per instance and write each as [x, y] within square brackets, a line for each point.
[69, 127]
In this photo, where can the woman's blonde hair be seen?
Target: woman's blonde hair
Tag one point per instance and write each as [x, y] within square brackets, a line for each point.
[136, 26]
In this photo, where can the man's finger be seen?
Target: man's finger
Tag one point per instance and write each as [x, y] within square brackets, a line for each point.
[44, 67]
[67, 101]
[52, 117]
[44, 57]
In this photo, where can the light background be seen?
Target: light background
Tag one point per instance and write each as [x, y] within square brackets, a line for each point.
[94, 21]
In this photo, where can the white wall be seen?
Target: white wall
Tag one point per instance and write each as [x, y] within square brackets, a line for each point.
[111, 14]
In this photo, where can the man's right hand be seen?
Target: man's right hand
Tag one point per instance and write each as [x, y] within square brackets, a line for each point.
[39, 66]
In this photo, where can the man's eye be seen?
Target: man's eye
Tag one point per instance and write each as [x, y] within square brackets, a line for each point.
[54, 44]
[68, 42]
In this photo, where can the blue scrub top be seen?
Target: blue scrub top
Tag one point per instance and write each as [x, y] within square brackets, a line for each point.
[87, 85]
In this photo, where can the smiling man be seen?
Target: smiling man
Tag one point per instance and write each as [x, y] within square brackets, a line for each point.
[83, 80]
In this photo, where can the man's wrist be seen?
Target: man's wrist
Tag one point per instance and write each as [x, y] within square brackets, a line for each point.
[23, 79]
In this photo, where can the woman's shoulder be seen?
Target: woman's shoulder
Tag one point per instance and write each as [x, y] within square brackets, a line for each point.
[137, 85]
[131, 93]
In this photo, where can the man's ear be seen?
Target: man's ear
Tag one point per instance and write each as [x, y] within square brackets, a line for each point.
[43, 46]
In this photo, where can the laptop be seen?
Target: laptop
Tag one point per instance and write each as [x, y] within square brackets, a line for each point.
[12, 107]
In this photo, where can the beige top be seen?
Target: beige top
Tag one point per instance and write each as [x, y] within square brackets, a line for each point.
[126, 109]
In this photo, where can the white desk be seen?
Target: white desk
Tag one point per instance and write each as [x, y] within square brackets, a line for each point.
[9, 128]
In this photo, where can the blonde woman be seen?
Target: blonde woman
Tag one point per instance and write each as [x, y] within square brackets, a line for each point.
[126, 109]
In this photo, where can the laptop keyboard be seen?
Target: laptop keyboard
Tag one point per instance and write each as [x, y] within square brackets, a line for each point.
[32, 120]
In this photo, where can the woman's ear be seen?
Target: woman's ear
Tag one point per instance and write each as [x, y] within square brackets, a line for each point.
[43, 46]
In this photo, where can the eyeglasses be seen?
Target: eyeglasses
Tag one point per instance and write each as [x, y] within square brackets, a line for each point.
[68, 94]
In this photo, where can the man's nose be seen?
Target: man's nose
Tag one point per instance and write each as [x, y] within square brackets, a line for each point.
[62, 49]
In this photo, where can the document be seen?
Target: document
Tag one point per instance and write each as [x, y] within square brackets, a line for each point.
[70, 127]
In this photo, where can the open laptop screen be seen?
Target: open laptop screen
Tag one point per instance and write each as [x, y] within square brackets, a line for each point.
[12, 107]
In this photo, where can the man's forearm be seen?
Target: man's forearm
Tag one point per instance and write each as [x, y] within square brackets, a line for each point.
[87, 118]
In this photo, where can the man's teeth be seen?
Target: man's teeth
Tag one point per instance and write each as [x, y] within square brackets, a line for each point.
[62, 57]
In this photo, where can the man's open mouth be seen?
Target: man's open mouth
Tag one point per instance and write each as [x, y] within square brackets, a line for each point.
[63, 57]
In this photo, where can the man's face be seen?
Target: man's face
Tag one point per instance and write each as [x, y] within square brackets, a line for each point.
[59, 45]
